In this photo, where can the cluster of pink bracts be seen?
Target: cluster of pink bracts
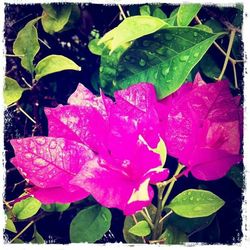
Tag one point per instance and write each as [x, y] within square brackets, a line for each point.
[107, 149]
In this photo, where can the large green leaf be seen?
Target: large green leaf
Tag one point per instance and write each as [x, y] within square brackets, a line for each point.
[186, 13]
[132, 28]
[26, 208]
[164, 58]
[56, 207]
[55, 17]
[172, 235]
[54, 63]
[129, 223]
[26, 45]
[140, 229]
[193, 203]
[12, 91]
[90, 224]
[159, 13]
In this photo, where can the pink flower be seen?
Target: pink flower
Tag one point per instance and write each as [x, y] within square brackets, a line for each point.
[112, 151]
[202, 127]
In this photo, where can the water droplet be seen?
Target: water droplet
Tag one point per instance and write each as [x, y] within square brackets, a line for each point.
[191, 198]
[189, 193]
[28, 155]
[53, 144]
[168, 37]
[101, 69]
[165, 71]
[195, 34]
[156, 75]
[198, 199]
[146, 43]
[41, 140]
[142, 62]
[184, 58]
[196, 54]
[40, 162]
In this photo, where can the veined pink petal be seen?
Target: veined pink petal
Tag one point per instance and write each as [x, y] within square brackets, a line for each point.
[49, 162]
[81, 124]
[57, 194]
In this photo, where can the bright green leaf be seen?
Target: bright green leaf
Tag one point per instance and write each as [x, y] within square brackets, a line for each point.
[129, 222]
[140, 229]
[90, 224]
[132, 28]
[54, 63]
[164, 58]
[186, 13]
[172, 235]
[12, 91]
[159, 13]
[10, 226]
[193, 203]
[26, 45]
[203, 27]
[55, 207]
[95, 48]
[145, 10]
[209, 67]
[55, 17]
[26, 208]
[236, 175]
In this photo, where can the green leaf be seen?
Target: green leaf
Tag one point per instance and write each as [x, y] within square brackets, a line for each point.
[186, 13]
[37, 238]
[189, 225]
[12, 91]
[214, 25]
[203, 27]
[145, 10]
[164, 58]
[209, 67]
[193, 203]
[159, 13]
[95, 48]
[26, 208]
[172, 235]
[26, 45]
[55, 17]
[90, 224]
[56, 207]
[17, 241]
[236, 175]
[54, 63]
[130, 29]
[140, 229]
[10, 226]
[129, 223]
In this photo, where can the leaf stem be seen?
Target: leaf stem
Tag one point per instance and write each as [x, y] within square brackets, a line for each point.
[165, 216]
[231, 39]
[22, 231]
[172, 182]
[147, 219]
[26, 82]
[122, 12]
[44, 43]
[12, 55]
[19, 108]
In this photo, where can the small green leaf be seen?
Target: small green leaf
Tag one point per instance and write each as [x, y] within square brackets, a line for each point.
[90, 224]
[203, 27]
[132, 28]
[140, 229]
[164, 58]
[54, 63]
[186, 13]
[26, 208]
[193, 203]
[55, 207]
[10, 226]
[37, 238]
[18, 241]
[172, 235]
[209, 67]
[214, 25]
[236, 175]
[95, 48]
[159, 13]
[26, 45]
[12, 91]
[55, 17]
[145, 10]
[129, 222]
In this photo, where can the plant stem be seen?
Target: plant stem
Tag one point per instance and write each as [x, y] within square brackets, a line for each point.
[172, 182]
[232, 35]
[22, 231]
[44, 43]
[147, 219]
[26, 82]
[19, 108]
[122, 12]
[165, 216]
[12, 55]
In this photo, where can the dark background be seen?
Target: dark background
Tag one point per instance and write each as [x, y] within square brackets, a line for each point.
[56, 88]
